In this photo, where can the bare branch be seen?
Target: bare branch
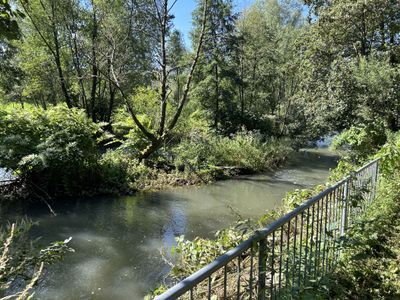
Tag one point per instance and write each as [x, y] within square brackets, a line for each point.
[172, 6]
[190, 75]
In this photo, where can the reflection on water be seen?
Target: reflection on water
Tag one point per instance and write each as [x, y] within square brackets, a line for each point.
[118, 240]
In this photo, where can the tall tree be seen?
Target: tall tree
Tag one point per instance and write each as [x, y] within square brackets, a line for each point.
[217, 75]
[176, 50]
[167, 118]
[268, 64]
[77, 42]
[350, 60]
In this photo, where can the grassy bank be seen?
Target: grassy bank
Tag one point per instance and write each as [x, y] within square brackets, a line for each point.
[196, 160]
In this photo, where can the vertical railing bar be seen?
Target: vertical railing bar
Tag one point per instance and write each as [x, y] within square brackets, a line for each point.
[225, 281]
[338, 218]
[325, 228]
[306, 248]
[251, 272]
[272, 266]
[287, 255]
[376, 171]
[320, 234]
[301, 246]
[321, 231]
[209, 287]
[316, 241]
[280, 258]
[294, 252]
[191, 294]
[330, 236]
[328, 231]
[311, 239]
[344, 218]
[261, 269]
[336, 229]
[238, 278]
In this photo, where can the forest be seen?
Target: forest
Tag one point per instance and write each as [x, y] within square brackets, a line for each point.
[102, 97]
[107, 93]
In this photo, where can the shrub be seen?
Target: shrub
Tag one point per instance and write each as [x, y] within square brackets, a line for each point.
[358, 142]
[122, 171]
[245, 149]
[53, 150]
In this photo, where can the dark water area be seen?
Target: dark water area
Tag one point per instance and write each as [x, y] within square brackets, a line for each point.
[118, 239]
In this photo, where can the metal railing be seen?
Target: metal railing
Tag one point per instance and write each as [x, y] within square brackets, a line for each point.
[6, 182]
[278, 260]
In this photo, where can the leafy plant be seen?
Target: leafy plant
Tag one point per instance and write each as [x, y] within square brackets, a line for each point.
[22, 262]
[358, 142]
[52, 150]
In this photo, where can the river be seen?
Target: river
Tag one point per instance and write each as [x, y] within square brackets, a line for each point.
[118, 239]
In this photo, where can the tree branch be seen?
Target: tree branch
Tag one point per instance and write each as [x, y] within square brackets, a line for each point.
[192, 69]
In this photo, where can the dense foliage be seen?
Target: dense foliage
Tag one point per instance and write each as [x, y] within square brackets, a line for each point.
[281, 69]
[369, 267]
[52, 150]
[105, 96]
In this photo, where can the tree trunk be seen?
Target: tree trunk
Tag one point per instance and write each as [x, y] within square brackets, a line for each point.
[216, 117]
[94, 67]
[57, 58]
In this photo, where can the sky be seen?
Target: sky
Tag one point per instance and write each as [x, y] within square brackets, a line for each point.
[183, 15]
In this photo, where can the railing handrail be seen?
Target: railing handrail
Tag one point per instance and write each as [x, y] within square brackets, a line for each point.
[189, 282]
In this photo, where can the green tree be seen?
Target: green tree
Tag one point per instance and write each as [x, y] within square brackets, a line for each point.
[9, 28]
[216, 77]
[177, 52]
[268, 63]
[349, 62]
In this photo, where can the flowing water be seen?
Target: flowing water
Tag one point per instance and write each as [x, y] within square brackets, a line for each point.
[118, 240]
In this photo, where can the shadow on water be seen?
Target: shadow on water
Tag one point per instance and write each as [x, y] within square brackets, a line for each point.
[118, 239]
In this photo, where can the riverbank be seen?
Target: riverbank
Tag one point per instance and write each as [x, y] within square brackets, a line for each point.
[367, 267]
[117, 240]
[70, 157]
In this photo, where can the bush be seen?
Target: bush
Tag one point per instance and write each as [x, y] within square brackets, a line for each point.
[52, 150]
[358, 142]
[120, 169]
[245, 149]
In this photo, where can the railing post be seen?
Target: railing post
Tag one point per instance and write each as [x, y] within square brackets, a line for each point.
[343, 223]
[375, 180]
[262, 265]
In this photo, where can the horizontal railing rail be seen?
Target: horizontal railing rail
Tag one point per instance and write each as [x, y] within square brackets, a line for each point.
[278, 260]
[7, 181]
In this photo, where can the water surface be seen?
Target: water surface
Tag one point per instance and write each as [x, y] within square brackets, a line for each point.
[118, 240]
